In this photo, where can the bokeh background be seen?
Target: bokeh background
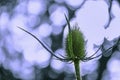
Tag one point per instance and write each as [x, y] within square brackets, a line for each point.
[23, 58]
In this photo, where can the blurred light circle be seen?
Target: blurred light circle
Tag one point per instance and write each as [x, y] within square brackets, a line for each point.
[36, 7]
[74, 3]
[45, 30]
[57, 17]
[57, 65]
[114, 66]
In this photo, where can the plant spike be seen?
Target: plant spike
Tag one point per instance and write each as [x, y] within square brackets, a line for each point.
[96, 51]
[50, 51]
[68, 23]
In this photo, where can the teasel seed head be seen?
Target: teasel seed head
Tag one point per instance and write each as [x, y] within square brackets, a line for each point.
[75, 44]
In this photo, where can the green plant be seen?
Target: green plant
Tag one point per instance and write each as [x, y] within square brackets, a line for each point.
[74, 46]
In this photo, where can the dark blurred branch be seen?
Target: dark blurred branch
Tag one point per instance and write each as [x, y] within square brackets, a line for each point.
[104, 60]
[102, 66]
[6, 74]
[111, 16]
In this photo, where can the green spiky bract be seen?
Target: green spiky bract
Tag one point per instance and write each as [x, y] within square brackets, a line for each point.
[75, 44]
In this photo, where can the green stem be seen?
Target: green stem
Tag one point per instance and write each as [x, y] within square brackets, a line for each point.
[77, 69]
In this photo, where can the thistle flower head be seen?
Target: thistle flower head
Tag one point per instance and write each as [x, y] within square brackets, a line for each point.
[74, 46]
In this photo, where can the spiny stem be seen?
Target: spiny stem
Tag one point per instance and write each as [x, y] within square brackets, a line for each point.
[77, 69]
